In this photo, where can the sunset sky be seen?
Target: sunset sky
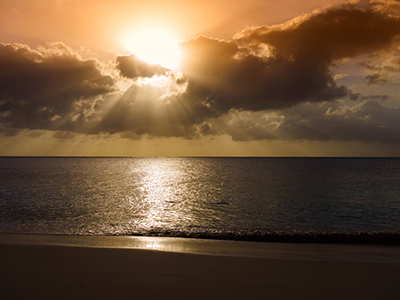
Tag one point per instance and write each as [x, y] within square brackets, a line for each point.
[200, 78]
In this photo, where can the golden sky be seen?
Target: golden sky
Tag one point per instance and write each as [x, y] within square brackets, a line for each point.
[200, 78]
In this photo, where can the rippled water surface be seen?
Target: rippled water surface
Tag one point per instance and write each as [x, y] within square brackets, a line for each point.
[129, 196]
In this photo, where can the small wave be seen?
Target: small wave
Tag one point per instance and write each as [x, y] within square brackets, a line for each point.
[365, 238]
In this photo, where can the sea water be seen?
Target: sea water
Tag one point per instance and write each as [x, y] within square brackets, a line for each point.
[239, 198]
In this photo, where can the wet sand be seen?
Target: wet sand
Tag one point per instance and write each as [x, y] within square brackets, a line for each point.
[38, 270]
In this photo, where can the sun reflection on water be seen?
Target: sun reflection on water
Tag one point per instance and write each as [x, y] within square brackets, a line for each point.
[161, 188]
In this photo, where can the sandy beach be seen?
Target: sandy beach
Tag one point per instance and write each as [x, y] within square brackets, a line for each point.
[36, 269]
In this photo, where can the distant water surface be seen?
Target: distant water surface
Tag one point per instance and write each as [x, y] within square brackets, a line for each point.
[199, 196]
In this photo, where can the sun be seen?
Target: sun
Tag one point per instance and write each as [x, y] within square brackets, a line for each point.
[154, 45]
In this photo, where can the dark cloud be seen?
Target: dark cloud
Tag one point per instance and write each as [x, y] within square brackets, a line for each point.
[40, 89]
[376, 79]
[281, 66]
[132, 67]
[333, 35]
[367, 121]
[226, 77]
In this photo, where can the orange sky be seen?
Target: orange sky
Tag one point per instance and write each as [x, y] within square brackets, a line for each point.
[265, 78]
[99, 23]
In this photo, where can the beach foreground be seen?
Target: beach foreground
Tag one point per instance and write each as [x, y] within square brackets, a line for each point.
[45, 271]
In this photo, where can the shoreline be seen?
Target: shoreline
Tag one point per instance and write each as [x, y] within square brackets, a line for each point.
[37, 269]
[271, 250]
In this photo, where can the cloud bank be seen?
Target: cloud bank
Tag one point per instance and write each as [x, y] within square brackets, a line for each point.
[366, 121]
[268, 82]
[40, 88]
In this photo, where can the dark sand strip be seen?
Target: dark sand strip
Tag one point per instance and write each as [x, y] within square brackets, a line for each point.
[65, 272]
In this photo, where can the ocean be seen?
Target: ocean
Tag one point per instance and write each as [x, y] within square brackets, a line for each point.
[257, 199]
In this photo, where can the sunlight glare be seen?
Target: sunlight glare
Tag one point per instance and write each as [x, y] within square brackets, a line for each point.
[154, 45]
